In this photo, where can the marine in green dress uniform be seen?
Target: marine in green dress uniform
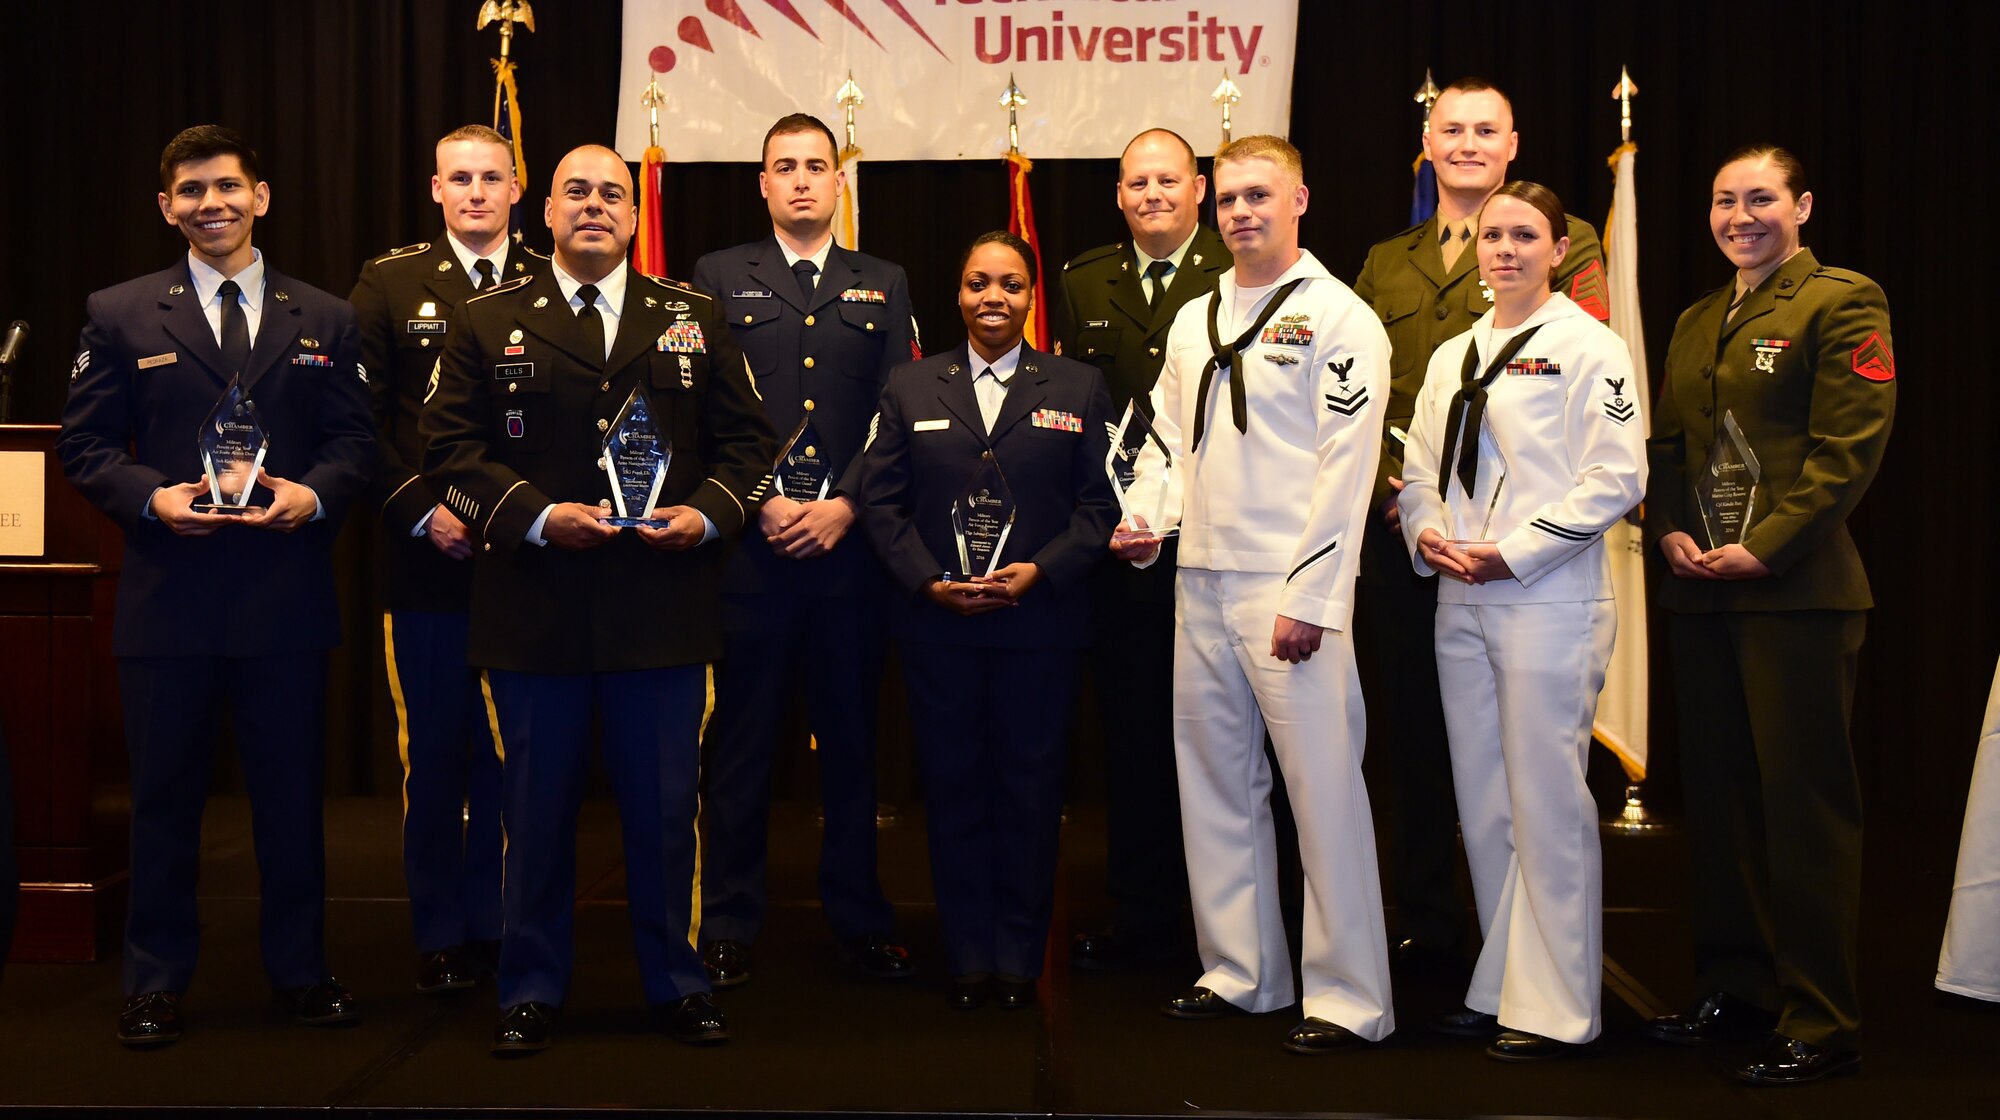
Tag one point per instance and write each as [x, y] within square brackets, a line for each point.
[1117, 303]
[1424, 283]
[1765, 633]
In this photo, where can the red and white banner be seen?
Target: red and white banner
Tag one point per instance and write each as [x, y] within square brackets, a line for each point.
[1096, 72]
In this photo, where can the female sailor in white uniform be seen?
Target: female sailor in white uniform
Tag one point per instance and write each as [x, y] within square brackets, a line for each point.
[1527, 444]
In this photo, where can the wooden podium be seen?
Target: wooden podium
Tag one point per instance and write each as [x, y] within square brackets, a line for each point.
[59, 561]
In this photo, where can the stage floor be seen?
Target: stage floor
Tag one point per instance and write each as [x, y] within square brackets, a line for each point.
[812, 1036]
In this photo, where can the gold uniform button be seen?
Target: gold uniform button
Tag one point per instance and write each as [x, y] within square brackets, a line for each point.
[513, 386]
[986, 454]
[809, 363]
[869, 326]
[604, 387]
[604, 425]
[423, 342]
[749, 319]
[809, 320]
[1153, 350]
[488, 546]
[809, 404]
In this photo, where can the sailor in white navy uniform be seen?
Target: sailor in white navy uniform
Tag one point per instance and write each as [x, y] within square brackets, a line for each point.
[1527, 445]
[1270, 407]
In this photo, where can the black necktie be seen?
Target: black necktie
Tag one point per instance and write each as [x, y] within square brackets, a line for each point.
[1229, 357]
[235, 329]
[590, 322]
[805, 271]
[1157, 273]
[487, 277]
[1467, 410]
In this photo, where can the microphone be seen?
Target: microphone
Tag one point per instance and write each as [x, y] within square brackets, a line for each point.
[17, 331]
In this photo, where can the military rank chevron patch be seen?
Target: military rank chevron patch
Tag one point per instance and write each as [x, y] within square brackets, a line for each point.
[1619, 410]
[1351, 400]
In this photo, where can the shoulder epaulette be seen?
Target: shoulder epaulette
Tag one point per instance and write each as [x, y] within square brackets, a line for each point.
[505, 287]
[405, 251]
[530, 250]
[1845, 276]
[680, 286]
[1097, 254]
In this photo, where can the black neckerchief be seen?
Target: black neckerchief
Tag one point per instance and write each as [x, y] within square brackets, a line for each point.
[1226, 356]
[1468, 409]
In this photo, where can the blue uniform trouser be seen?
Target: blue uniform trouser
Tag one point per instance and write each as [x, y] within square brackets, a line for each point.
[831, 649]
[992, 734]
[172, 705]
[451, 780]
[649, 721]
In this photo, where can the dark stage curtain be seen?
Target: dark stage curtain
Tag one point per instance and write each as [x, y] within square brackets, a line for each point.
[344, 99]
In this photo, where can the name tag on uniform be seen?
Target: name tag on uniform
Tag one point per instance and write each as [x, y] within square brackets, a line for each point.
[159, 360]
[513, 371]
[1534, 367]
[426, 326]
[1056, 420]
[752, 294]
[863, 295]
[931, 425]
[1097, 323]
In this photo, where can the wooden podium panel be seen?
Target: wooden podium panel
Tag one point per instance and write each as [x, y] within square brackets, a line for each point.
[59, 702]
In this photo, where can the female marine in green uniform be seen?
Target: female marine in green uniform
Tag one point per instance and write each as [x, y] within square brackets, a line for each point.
[1766, 625]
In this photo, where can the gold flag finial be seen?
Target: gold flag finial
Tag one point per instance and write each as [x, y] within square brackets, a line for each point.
[1011, 99]
[1623, 93]
[1427, 96]
[1226, 95]
[849, 97]
[652, 97]
[507, 13]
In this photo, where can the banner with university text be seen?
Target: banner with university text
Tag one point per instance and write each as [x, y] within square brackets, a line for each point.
[1095, 72]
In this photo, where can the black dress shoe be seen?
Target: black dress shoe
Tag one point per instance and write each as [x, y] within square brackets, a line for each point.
[447, 970]
[695, 1019]
[727, 962]
[325, 1004]
[1108, 950]
[1787, 1061]
[968, 992]
[1012, 993]
[1317, 1036]
[151, 1020]
[1521, 1046]
[1719, 1018]
[523, 1029]
[1197, 1003]
[880, 957]
[1466, 1023]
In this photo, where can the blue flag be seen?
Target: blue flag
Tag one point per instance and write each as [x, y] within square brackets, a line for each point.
[1424, 195]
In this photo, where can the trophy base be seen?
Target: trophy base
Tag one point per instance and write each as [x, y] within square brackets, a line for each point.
[1147, 534]
[1461, 543]
[225, 510]
[639, 522]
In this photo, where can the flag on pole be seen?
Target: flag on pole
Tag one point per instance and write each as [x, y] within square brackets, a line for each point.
[1622, 704]
[1424, 195]
[507, 122]
[847, 216]
[1021, 223]
[649, 248]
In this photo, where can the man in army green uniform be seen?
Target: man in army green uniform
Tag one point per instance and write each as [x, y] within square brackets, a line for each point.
[1119, 300]
[1424, 283]
[403, 304]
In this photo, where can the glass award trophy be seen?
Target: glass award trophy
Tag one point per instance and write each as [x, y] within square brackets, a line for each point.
[1727, 491]
[1472, 514]
[232, 442]
[1128, 438]
[635, 459]
[802, 472]
[981, 517]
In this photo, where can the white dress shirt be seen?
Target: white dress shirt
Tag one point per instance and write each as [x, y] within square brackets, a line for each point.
[989, 385]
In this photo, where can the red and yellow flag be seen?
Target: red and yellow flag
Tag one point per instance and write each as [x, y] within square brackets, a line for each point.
[1021, 223]
[649, 245]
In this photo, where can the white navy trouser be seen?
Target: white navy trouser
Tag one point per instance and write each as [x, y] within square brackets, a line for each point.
[1227, 690]
[1520, 686]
